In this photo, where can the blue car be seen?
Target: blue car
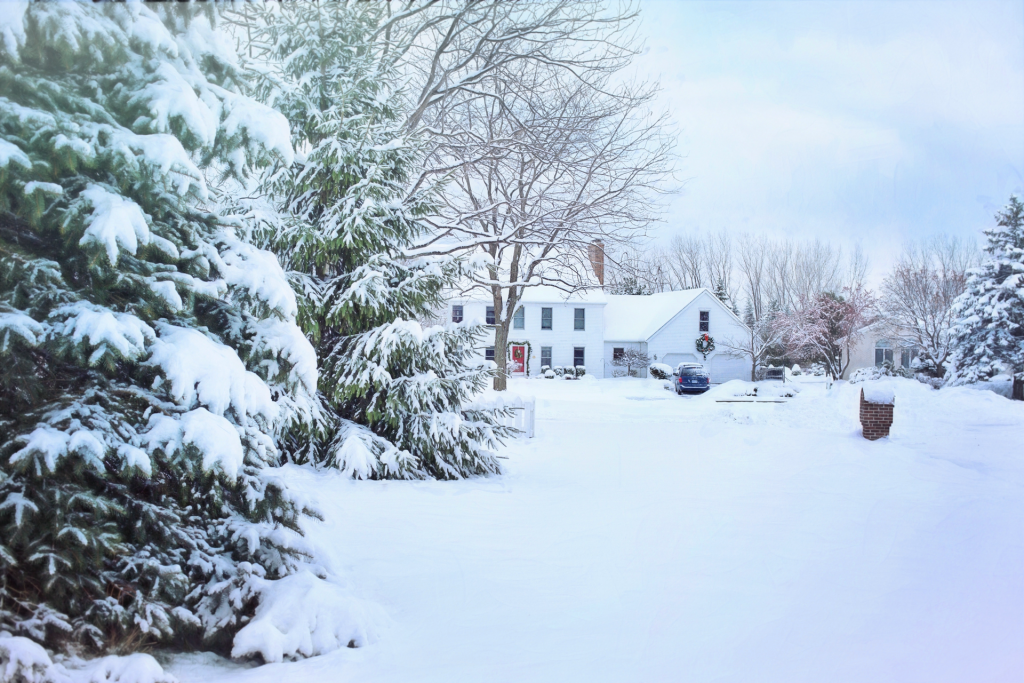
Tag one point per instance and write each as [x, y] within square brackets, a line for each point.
[692, 378]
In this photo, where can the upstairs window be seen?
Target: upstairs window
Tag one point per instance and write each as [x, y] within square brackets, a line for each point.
[519, 319]
[456, 314]
[705, 321]
[490, 315]
[545, 318]
[578, 357]
[618, 352]
[580, 319]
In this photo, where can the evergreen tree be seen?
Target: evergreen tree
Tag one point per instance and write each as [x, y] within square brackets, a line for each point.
[393, 390]
[631, 286]
[149, 355]
[723, 295]
[990, 328]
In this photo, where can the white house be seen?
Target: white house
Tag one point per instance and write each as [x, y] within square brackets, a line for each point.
[874, 349]
[590, 328]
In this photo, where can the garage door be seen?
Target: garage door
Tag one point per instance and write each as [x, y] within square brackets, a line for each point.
[724, 368]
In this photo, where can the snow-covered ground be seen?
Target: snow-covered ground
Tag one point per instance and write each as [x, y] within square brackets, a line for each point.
[643, 536]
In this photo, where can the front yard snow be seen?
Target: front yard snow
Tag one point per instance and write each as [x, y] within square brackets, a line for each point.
[642, 536]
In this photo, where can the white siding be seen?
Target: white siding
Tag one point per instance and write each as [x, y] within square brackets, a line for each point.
[562, 337]
[678, 337]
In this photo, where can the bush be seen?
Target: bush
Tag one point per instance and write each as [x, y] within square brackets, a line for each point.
[796, 370]
[873, 373]
[548, 374]
[660, 370]
[580, 371]
[558, 370]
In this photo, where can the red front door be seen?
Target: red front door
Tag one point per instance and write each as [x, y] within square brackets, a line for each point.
[518, 360]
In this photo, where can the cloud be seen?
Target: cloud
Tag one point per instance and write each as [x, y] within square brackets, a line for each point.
[842, 120]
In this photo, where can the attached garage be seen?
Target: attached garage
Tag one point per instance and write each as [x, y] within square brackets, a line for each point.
[668, 325]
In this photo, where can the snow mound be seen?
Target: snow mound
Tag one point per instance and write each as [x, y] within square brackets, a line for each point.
[135, 668]
[879, 392]
[738, 387]
[303, 615]
[25, 661]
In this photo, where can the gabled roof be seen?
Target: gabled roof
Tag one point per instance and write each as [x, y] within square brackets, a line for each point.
[638, 317]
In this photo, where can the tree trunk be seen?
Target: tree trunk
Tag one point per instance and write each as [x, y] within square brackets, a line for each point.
[501, 354]
[1018, 389]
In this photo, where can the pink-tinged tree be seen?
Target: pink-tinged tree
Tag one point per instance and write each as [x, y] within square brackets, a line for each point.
[828, 325]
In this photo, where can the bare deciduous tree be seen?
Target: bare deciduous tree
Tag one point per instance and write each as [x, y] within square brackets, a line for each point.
[543, 158]
[758, 342]
[917, 297]
[632, 359]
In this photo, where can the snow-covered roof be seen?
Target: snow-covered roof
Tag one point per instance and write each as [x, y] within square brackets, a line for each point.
[543, 294]
[638, 317]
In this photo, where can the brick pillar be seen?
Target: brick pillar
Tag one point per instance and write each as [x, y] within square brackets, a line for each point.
[875, 418]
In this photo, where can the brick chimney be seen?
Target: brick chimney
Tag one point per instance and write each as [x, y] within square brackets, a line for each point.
[596, 253]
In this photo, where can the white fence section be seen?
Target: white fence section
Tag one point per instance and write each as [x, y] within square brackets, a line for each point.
[523, 410]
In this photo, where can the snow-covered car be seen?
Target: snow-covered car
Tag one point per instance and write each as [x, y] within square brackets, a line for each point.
[692, 378]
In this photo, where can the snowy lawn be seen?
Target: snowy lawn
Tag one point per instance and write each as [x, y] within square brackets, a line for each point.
[643, 536]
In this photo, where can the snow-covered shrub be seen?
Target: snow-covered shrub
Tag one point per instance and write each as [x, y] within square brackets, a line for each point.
[580, 371]
[873, 373]
[150, 359]
[660, 370]
[796, 370]
[549, 374]
[544, 369]
[558, 370]
[342, 221]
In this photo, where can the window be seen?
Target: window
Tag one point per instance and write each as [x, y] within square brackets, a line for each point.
[618, 352]
[577, 356]
[519, 319]
[545, 356]
[545, 318]
[883, 353]
[907, 357]
[580, 319]
[490, 315]
[456, 314]
[705, 321]
[489, 353]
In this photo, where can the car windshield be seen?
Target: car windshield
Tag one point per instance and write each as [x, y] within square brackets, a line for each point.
[691, 372]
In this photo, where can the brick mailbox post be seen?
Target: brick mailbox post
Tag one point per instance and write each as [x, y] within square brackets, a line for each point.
[876, 415]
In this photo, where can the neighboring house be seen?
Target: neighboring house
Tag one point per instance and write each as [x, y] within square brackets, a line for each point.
[590, 328]
[874, 349]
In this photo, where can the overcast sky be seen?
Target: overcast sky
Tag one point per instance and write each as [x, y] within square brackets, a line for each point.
[877, 121]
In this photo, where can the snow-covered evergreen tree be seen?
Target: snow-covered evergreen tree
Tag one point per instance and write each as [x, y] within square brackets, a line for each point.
[343, 216]
[990, 327]
[149, 355]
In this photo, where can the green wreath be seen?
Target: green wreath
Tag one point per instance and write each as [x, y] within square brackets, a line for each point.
[705, 345]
